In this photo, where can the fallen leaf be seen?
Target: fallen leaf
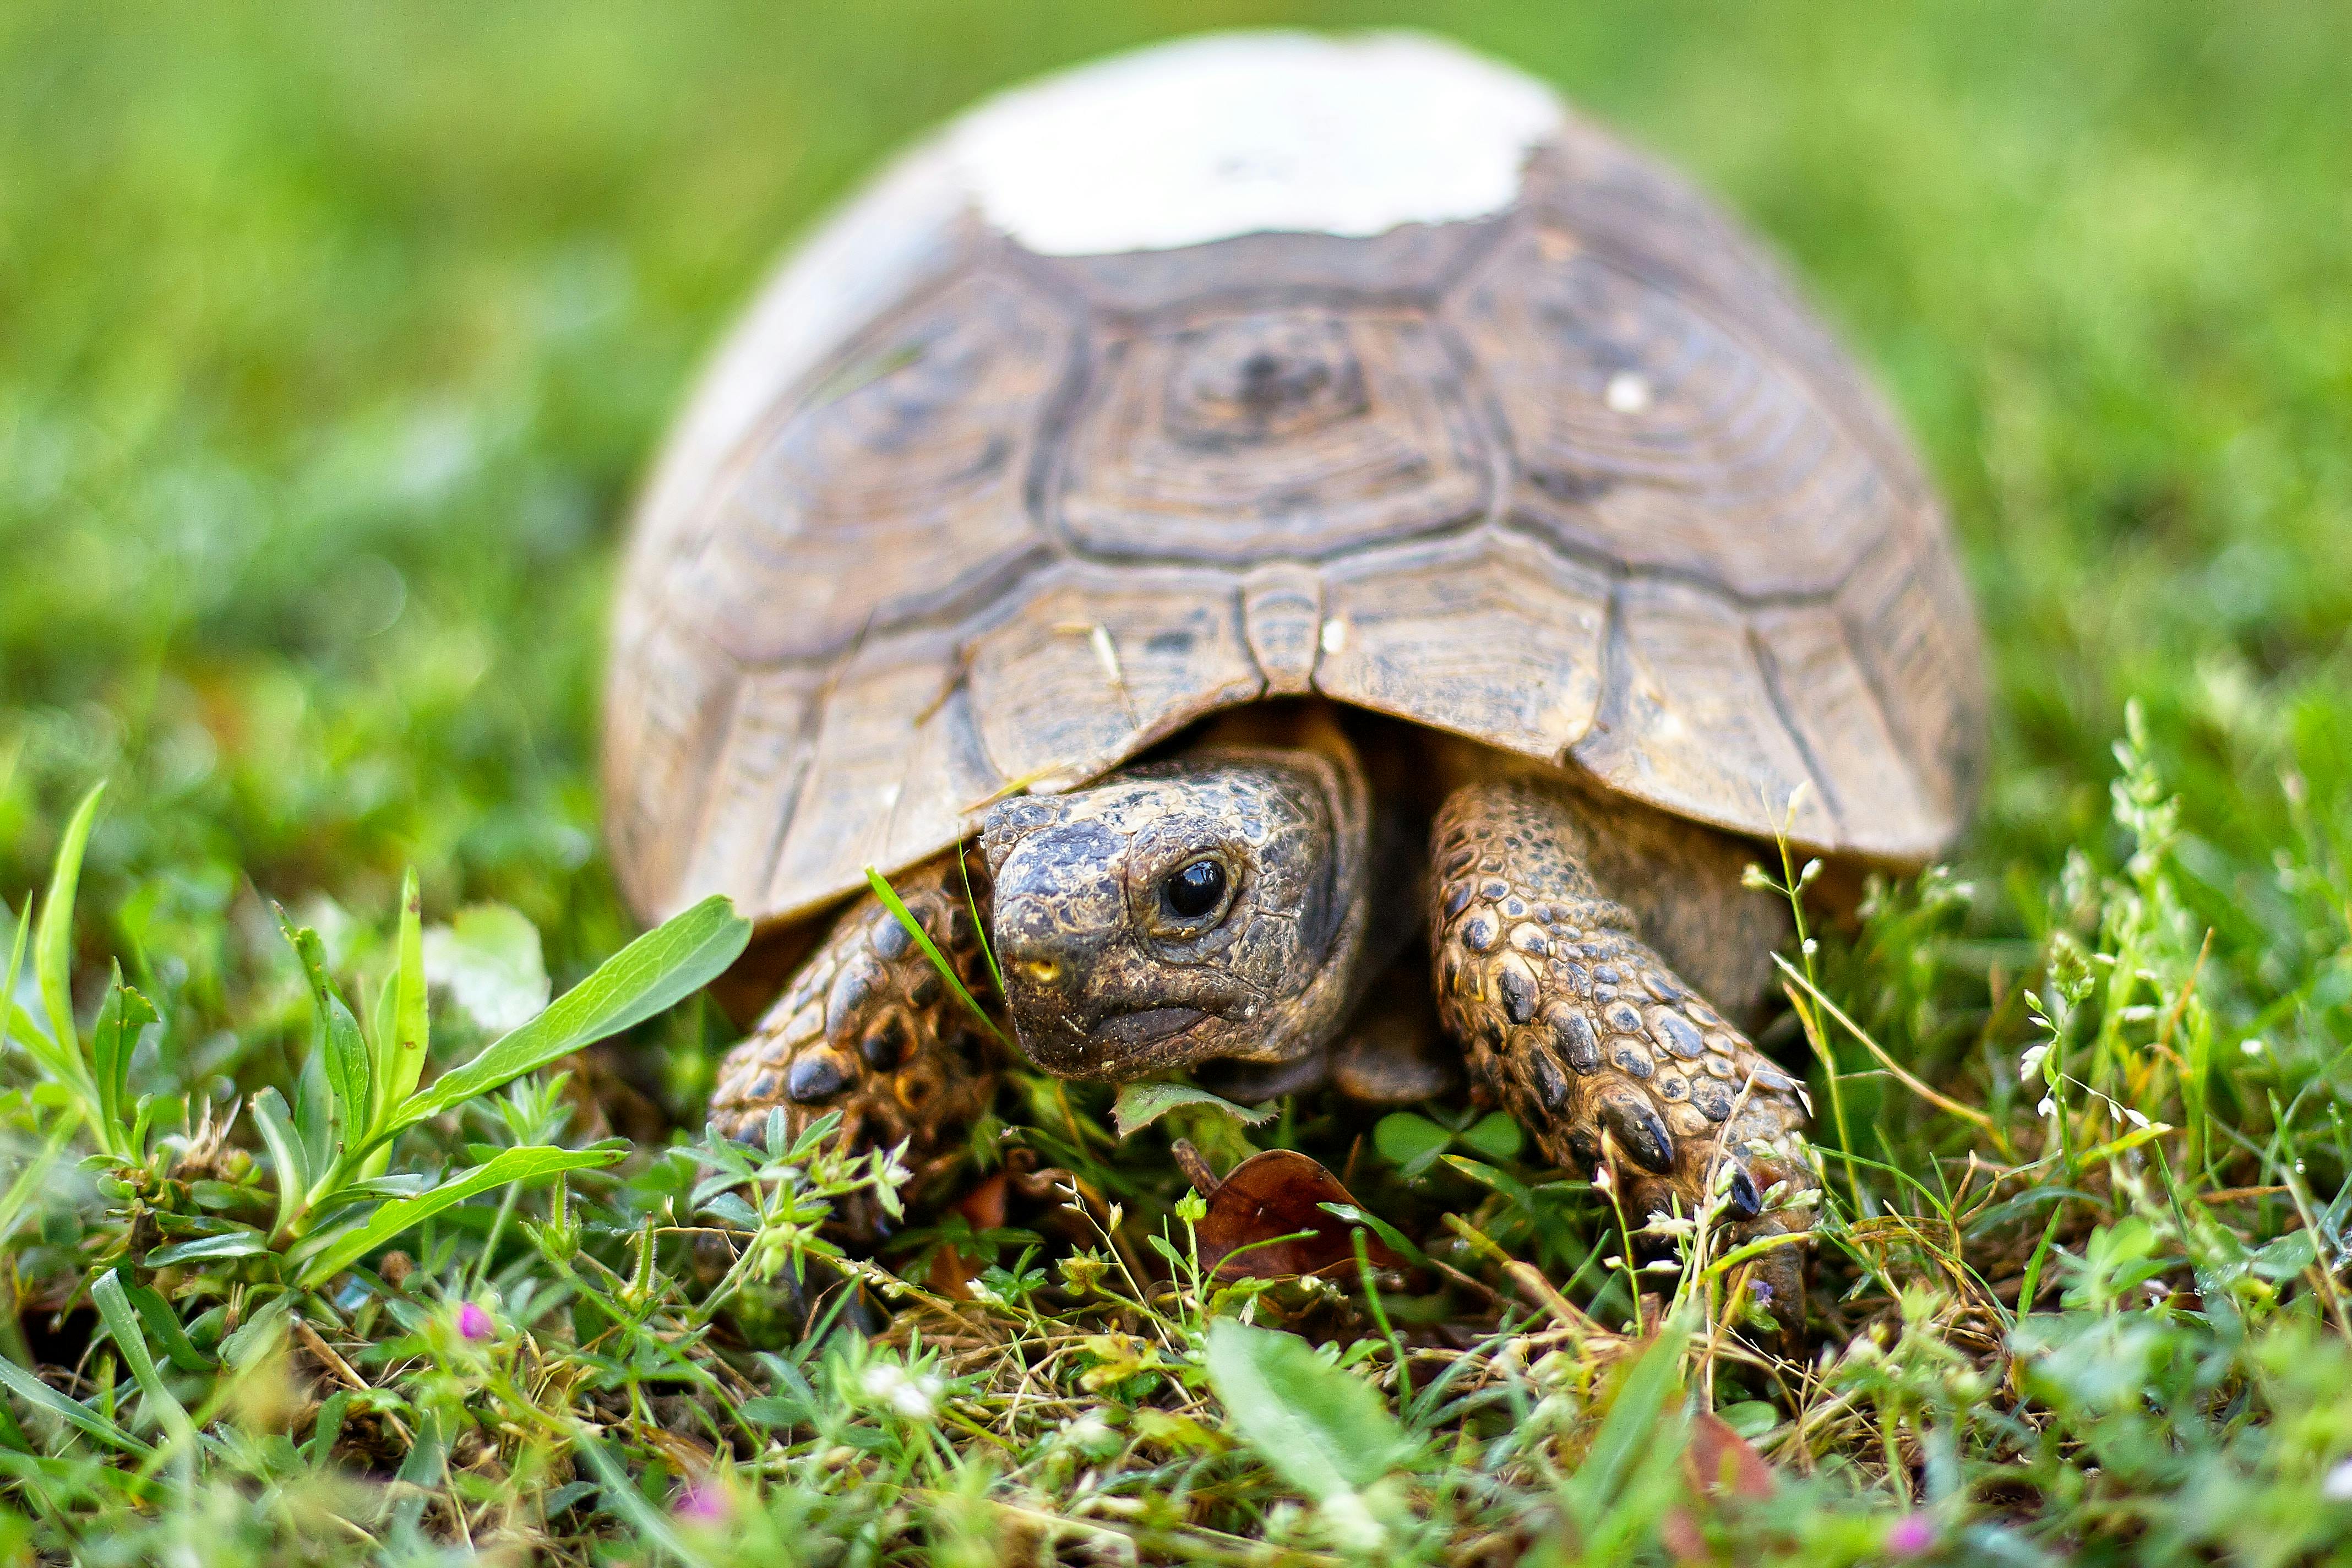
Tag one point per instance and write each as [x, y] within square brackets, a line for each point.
[984, 1204]
[1280, 1193]
[1722, 1462]
[1718, 1463]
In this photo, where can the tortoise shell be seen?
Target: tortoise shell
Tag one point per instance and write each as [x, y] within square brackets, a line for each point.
[1261, 364]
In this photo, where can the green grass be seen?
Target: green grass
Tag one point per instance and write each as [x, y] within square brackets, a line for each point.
[332, 342]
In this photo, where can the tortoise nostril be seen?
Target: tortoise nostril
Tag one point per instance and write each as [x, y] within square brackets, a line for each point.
[1044, 971]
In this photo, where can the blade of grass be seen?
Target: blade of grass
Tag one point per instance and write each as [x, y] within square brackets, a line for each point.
[14, 1022]
[621, 1495]
[53, 935]
[35, 1173]
[667, 963]
[905, 917]
[34, 1392]
[971, 903]
[341, 1250]
[1945, 1102]
[122, 1325]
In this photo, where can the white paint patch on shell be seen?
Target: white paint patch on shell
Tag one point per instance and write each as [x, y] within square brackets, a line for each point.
[1628, 392]
[1236, 133]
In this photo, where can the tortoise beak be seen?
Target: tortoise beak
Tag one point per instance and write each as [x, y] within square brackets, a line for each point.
[1144, 1024]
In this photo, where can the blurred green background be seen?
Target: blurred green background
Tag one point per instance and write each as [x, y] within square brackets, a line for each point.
[334, 339]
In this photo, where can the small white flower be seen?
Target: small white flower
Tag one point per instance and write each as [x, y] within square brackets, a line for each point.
[1601, 1179]
[2337, 1486]
[2031, 1062]
[2251, 1047]
[2048, 1107]
[1086, 1431]
[2134, 1117]
[916, 1398]
[1352, 1525]
[2158, 1291]
[1662, 1266]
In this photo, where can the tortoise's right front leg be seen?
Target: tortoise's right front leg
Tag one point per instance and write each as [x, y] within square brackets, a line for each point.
[1593, 1043]
[867, 1027]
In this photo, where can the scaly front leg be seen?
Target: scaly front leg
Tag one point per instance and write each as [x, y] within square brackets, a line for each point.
[1591, 1040]
[867, 1027]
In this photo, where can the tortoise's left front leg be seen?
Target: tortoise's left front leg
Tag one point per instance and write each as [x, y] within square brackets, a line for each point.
[1591, 1041]
[868, 1026]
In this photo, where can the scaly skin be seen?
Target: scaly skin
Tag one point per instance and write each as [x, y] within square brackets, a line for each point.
[868, 1028]
[1591, 1040]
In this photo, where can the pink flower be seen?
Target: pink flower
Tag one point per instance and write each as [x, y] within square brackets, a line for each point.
[1913, 1536]
[474, 1324]
[702, 1502]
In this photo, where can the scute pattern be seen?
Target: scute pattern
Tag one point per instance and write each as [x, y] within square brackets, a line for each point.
[1651, 434]
[1288, 432]
[894, 486]
[1583, 480]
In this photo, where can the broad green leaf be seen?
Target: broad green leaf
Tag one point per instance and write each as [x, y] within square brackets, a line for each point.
[1410, 1142]
[1487, 1176]
[335, 1040]
[2288, 1257]
[1325, 1432]
[231, 1243]
[347, 1247]
[120, 1019]
[130, 1336]
[487, 958]
[1496, 1135]
[625, 1502]
[673, 960]
[164, 1326]
[411, 1027]
[33, 1391]
[259, 1334]
[1400, 1243]
[293, 1167]
[317, 1115]
[1632, 1422]
[53, 937]
[1141, 1104]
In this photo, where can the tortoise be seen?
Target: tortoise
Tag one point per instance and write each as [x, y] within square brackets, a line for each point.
[1211, 517]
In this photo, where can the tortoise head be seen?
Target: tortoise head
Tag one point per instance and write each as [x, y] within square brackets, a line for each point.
[1180, 912]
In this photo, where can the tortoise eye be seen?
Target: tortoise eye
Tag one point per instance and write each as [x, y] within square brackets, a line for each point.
[1193, 890]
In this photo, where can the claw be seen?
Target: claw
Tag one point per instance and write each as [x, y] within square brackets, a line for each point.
[1746, 1202]
[1642, 1131]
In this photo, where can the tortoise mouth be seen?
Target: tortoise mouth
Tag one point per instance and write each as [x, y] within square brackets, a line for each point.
[1145, 1024]
[1121, 1045]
